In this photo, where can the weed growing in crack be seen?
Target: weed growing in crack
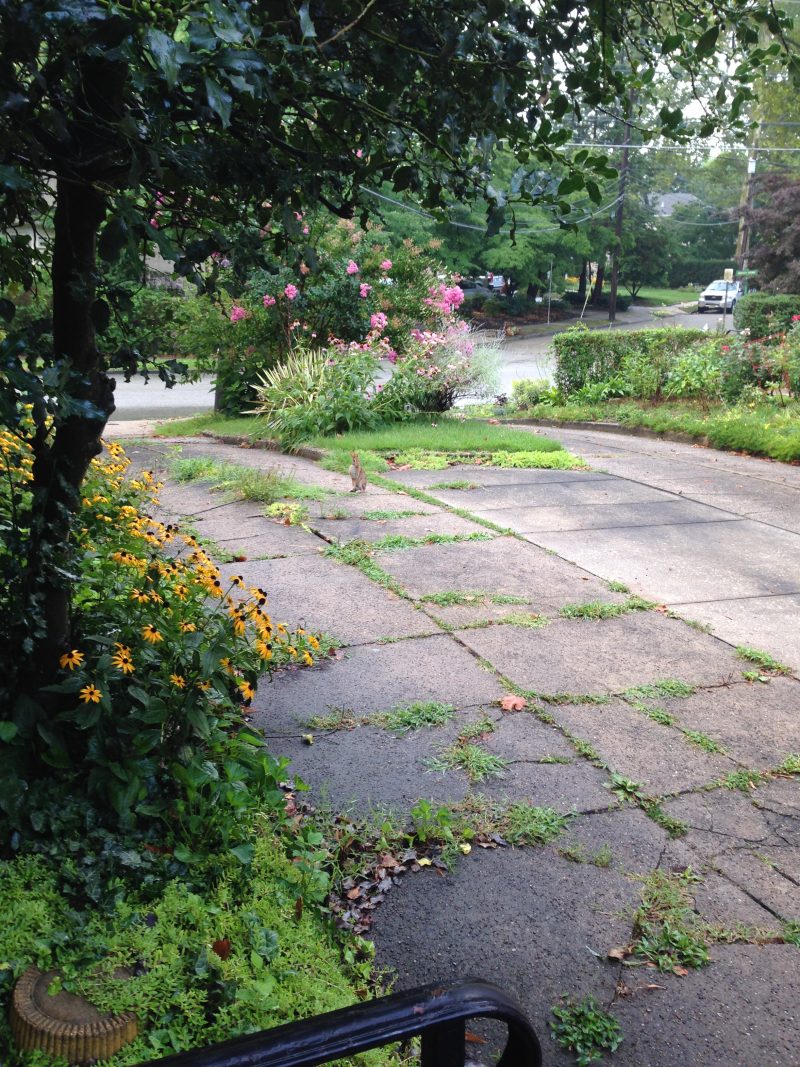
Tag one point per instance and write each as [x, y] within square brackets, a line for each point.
[701, 740]
[382, 516]
[571, 698]
[762, 660]
[674, 827]
[523, 824]
[791, 765]
[454, 598]
[525, 620]
[617, 587]
[625, 788]
[398, 542]
[664, 687]
[659, 715]
[473, 760]
[337, 719]
[790, 932]
[576, 852]
[457, 483]
[745, 781]
[416, 716]
[582, 1027]
[555, 759]
[597, 609]
[667, 930]
[477, 729]
[358, 553]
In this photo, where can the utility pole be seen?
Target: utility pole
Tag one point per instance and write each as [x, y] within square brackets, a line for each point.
[623, 180]
[745, 207]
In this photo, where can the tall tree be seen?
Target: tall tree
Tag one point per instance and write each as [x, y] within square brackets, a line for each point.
[211, 128]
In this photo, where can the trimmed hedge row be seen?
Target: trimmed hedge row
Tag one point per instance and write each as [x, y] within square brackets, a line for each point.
[586, 357]
[700, 272]
[765, 313]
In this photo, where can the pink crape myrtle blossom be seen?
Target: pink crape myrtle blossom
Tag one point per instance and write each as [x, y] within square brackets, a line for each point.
[378, 321]
[269, 301]
[386, 265]
[238, 313]
[291, 291]
[352, 267]
[446, 297]
[364, 290]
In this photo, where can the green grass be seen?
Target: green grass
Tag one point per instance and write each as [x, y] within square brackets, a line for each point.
[526, 620]
[596, 609]
[582, 1027]
[668, 931]
[763, 430]
[473, 760]
[385, 515]
[459, 483]
[244, 483]
[441, 434]
[218, 425]
[358, 554]
[762, 660]
[398, 542]
[653, 296]
[523, 824]
[664, 687]
[701, 740]
[416, 716]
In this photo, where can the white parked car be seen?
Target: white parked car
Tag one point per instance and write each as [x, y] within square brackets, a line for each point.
[720, 294]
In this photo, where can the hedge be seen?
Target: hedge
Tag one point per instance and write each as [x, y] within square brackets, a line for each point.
[700, 272]
[765, 313]
[585, 357]
[574, 298]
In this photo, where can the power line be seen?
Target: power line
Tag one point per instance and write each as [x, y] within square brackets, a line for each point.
[675, 148]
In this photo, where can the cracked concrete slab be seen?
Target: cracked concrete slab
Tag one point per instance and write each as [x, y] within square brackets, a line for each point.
[413, 526]
[530, 917]
[373, 678]
[635, 843]
[565, 787]
[657, 757]
[488, 476]
[240, 529]
[326, 596]
[771, 623]
[583, 516]
[509, 503]
[756, 723]
[614, 654]
[503, 565]
[740, 1011]
[355, 504]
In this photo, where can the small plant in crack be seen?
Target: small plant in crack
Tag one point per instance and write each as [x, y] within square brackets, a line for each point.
[337, 719]
[576, 852]
[589, 752]
[457, 483]
[582, 1027]
[473, 760]
[744, 780]
[756, 676]
[555, 759]
[454, 598]
[382, 516]
[762, 660]
[523, 824]
[597, 609]
[417, 715]
[626, 788]
[659, 715]
[525, 620]
[664, 687]
[701, 740]
[617, 587]
[791, 765]
[399, 542]
[790, 932]
[477, 729]
[667, 929]
[674, 827]
[572, 698]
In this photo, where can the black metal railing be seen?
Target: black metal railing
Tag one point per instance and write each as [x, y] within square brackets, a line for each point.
[437, 1013]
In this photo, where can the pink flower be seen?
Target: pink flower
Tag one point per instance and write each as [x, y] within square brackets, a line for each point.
[269, 301]
[378, 321]
[154, 223]
[291, 291]
[359, 153]
[352, 267]
[386, 265]
[238, 313]
[795, 318]
[306, 230]
[364, 290]
[298, 216]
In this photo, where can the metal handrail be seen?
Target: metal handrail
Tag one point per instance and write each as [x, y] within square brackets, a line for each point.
[436, 1012]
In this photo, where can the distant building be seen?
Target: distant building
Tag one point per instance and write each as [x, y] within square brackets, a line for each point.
[664, 204]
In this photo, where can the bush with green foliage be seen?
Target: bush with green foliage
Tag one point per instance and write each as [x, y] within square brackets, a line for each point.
[765, 315]
[697, 271]
[574, 299]
[585, 357]
[526, 392]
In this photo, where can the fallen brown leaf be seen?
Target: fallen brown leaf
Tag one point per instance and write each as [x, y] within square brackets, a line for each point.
[513, 703]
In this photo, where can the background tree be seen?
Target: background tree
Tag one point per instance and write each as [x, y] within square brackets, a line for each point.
[775, 241]
[212, 129]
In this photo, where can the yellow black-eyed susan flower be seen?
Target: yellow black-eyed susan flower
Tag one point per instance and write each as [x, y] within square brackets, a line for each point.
[90, 694]
[71, 659]
[178, 681]
[151, 634]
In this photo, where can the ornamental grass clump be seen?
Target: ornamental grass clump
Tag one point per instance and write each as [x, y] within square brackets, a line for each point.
[147, 716]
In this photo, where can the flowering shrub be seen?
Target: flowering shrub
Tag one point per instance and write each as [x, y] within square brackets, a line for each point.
[147, 713]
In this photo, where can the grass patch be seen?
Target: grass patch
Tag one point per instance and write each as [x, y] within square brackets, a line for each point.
[625, 789]
[745, 781]
[416, 716]
[674, 827]
[459, 483]
[523, 824]
[244, 483]
[473, 760]
[526, 620]
[708, 744]
[398, 542]
[596, 609]
[216, 425]
[570, 698]
[448, 434]
[617, 587]
[556, 461]
[667, 930]
[762, 660]
[763, 430]
[336, 459]
[659, 715]
[664, 687]
[384, 516]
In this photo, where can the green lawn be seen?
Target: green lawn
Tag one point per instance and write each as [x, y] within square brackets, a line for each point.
[654, 297]
[441, 434]
[762, 430]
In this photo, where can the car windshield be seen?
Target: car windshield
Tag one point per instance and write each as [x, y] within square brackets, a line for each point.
[722, 285]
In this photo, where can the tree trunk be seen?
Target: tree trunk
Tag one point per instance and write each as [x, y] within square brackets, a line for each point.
[582, 280]
[597, 293]
[61, 461]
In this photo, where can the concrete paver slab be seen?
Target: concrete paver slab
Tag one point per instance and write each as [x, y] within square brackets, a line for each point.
[739, 1012]
[526, 915]
[489, 476]
[757, 724]
[441, 522]
[503, 565]
[635, 843]
[771, 623]
[565, 787]
[374, 678]
[603, 516]
[581, 656]
[327, 596]
[683, 564]
[240, 529]
[506, 500]
[355, 504]
[655, 756]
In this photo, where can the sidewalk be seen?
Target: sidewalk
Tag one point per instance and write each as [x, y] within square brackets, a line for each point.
[604, 758]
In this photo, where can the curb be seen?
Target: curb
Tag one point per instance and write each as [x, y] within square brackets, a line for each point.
[266, 444]
[678, 436]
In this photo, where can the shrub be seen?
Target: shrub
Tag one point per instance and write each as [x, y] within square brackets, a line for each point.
[442, 368]
[585, 357]
[574, 299]
[697, 271]
[765, 315]
[527, 392]
[696, 373]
